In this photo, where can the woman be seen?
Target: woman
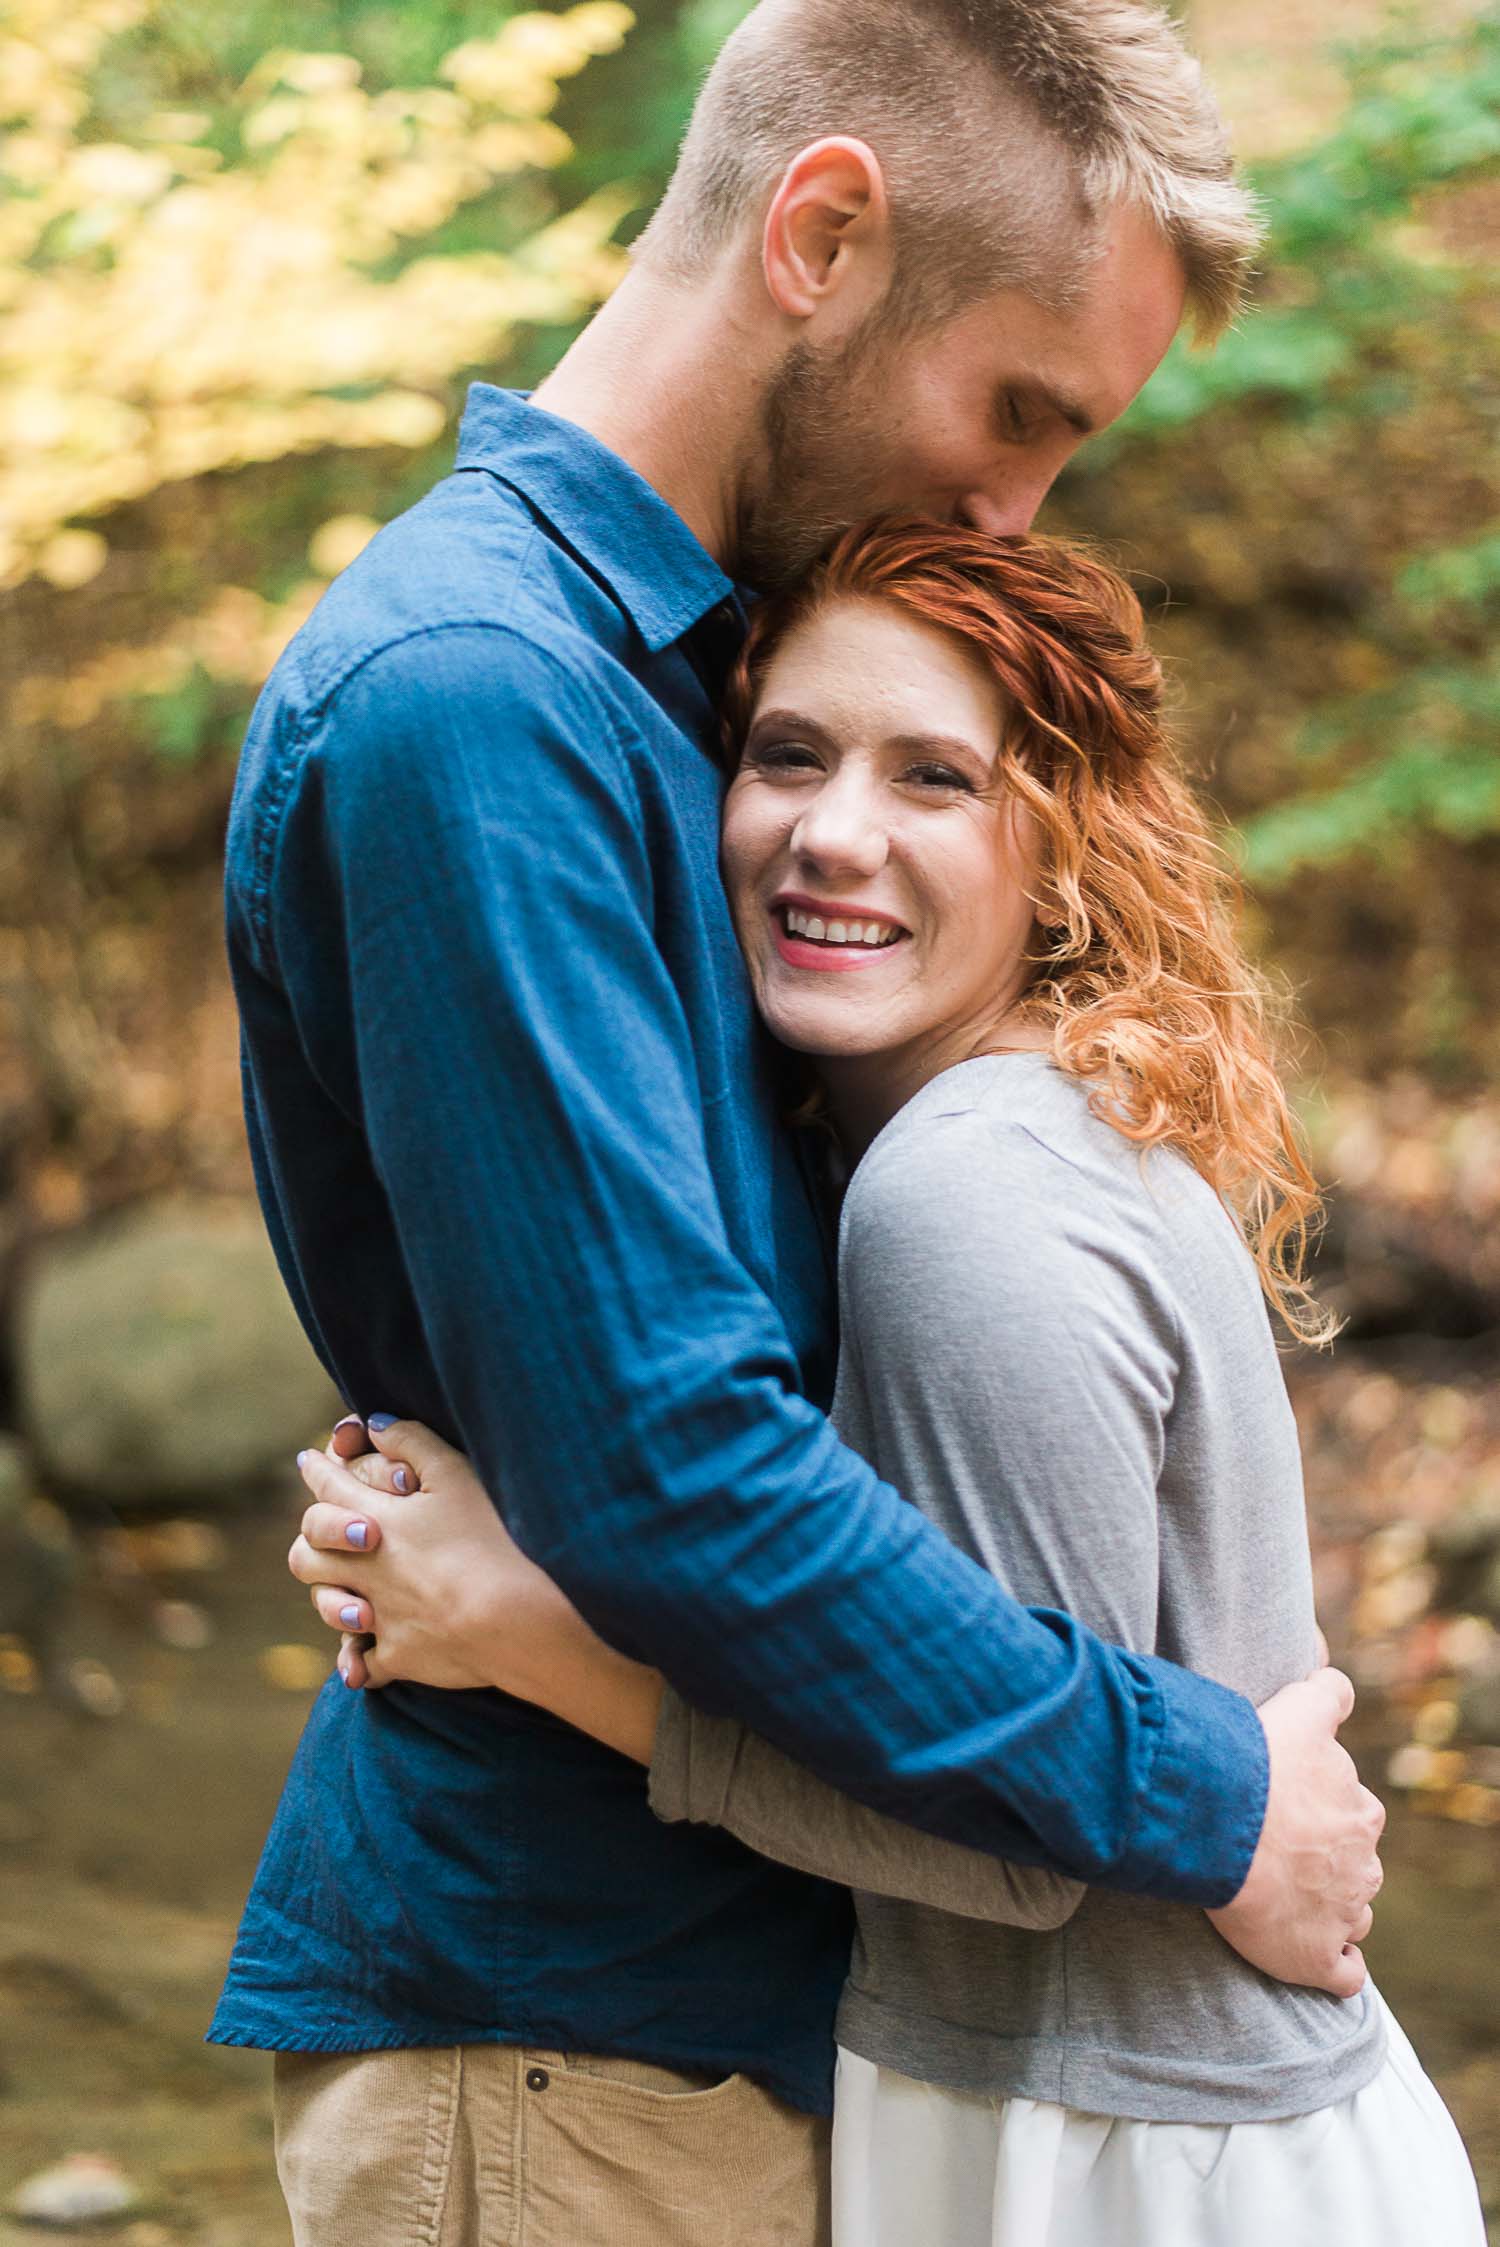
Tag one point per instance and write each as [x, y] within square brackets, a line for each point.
[971, 886]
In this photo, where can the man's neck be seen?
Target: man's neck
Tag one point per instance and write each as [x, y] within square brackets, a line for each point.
[666, 377]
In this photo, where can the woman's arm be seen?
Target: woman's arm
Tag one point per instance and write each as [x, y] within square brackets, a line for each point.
[712, 1770]
[453, 1601]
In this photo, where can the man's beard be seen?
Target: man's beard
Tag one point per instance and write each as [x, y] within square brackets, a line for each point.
[821, 445]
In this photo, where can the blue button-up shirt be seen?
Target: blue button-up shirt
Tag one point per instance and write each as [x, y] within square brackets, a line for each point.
[515, 1132]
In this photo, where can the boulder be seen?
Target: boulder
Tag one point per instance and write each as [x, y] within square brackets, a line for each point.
[1479, 1710]
[37, 1562]
[159, 1363]
[1466, 1552]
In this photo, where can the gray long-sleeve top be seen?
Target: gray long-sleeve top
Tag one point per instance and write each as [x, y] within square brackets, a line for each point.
[1057, 1348]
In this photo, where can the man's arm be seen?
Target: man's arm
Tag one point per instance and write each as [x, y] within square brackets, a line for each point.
[527, 1088]
[977, 1271]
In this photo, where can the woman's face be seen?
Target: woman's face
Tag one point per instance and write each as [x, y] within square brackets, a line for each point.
[877, 874]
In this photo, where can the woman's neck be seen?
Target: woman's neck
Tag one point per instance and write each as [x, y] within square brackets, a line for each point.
[865, 1090]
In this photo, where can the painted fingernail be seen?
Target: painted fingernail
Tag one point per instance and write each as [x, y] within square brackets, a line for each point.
[349, 1617]
[358, 1534]
[380, 1421]
[401, 1481]
[350, 1420]
[303, 1457]
[344, 1674]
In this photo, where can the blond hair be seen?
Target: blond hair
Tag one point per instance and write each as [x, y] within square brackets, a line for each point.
[1005, 130]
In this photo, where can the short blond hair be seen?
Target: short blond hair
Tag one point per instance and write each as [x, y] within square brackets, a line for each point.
[1005, 129]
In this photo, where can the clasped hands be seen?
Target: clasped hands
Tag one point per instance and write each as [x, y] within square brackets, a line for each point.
[459, 1565]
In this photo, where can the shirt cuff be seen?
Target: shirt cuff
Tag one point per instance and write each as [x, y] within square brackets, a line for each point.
[1203, 1802]
[692, 1762]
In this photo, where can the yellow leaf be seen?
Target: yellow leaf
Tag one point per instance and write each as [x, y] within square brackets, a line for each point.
[72, 558]
[334, 545]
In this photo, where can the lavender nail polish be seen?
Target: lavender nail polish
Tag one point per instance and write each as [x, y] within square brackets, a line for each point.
[358, 1534]
[349, 1617]
[380, 1421]
[401, 1481]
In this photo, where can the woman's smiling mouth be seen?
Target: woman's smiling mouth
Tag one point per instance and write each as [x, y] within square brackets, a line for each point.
[811, 933]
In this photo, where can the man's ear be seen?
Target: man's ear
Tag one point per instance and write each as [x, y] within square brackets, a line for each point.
[827, 232]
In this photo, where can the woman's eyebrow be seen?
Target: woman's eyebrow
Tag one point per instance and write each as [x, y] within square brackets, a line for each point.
[792, 721]
[945, 744]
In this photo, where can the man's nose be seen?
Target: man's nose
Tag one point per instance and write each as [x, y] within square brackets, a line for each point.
[1007, 514]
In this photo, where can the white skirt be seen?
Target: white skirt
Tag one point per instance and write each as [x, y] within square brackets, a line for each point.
[915, 2165]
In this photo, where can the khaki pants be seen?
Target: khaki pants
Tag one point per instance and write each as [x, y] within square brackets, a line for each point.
[489, 2145]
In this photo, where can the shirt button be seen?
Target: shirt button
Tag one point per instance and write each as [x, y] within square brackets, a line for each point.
[537, 2079]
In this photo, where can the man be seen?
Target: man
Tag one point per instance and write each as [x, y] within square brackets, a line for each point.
[516, 1136]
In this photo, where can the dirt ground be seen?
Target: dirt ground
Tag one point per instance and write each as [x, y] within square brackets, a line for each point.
[126, 1844]
[127, 1840]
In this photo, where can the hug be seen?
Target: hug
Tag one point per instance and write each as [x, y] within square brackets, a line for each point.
[747, 1052]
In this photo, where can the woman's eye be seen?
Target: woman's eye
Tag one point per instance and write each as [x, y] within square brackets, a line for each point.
[784, 756]
[940, 776]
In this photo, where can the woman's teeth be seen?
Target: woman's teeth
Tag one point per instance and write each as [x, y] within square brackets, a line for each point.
[816, 931]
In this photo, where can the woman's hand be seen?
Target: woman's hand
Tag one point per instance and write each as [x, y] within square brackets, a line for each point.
[428, 1573]
[432, 1587]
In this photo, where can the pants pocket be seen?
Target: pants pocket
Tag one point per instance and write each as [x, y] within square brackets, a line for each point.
[620, 2153]
[645, 2075]
[363, 2144]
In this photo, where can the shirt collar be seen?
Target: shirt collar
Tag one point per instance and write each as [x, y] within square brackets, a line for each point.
[615, 522]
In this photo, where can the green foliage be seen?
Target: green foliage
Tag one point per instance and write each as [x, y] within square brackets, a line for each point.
[192, 719]
[1437, 768]
[1372, 320]
[1453, 580]
[1423, 115]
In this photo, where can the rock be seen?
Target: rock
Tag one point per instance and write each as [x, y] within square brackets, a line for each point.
[1466, 1550]
[35, 1986]
[38, 1562]
[1486, 1595]
[93, 1689]
[82, 2189]
[1377, 1267]
[1479, 1710]
[15, 1479]
[183, 1624]
[159, 1361]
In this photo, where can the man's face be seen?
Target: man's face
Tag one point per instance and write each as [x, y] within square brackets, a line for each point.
[968, 421]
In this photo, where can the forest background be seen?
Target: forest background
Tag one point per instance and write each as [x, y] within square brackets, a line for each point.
[249, 259]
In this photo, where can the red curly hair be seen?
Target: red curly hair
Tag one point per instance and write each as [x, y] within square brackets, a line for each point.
[1141, 980]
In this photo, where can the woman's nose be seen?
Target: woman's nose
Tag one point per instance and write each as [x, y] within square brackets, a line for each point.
[841, 831]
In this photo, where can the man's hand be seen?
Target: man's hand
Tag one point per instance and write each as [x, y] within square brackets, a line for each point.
[1305, 1905]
